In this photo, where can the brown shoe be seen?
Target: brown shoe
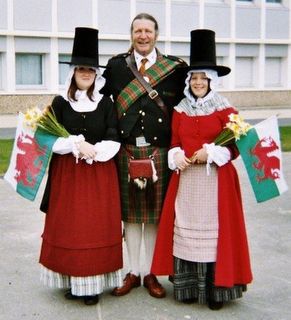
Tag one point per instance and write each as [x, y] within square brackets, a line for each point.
[130, 281]
[154, 287]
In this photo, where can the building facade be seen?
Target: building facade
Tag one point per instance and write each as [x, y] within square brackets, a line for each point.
[253, 39]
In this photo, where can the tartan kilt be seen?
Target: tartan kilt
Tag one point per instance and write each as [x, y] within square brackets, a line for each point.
[142, 211]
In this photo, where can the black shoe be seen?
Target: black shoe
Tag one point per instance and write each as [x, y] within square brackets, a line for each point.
[215, 305]
[190, 300]
[70, 296]
[91, 300]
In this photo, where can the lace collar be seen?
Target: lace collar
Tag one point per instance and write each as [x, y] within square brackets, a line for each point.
[203, 106]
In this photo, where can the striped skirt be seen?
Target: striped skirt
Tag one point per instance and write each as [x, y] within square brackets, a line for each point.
[195, 280]
[137, 206]
[81, 286]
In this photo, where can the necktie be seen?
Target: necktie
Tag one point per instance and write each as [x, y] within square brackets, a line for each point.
[142, 66]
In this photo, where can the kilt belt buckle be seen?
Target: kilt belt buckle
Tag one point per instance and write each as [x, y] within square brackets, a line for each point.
[153, 94]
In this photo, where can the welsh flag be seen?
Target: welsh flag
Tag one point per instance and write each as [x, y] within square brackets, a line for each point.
[261, 153]
[29, 159]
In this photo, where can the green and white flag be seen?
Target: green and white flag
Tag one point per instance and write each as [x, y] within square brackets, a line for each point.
[30, 157]
[261, 153]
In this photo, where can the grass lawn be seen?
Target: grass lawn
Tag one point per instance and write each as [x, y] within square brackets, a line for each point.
[5, 151]
[7, 144]
[285, 133]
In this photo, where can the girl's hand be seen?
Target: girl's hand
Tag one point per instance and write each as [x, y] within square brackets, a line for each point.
[86, 150]
[181, 161]
[200, 156]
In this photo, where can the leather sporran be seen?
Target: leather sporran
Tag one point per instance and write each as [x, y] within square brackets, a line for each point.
[141, 172]
[140, 168]
[142, 176]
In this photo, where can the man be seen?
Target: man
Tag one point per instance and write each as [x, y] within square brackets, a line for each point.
[145, 129]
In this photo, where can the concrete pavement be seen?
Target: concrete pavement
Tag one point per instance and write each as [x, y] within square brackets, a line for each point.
[268, 297]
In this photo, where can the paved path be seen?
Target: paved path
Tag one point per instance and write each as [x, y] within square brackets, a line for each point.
[268, 297]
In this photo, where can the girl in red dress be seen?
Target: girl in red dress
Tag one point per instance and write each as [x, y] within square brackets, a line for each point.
[202, 240]
[82, 242]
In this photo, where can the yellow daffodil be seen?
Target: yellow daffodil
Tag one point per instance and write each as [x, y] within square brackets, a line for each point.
[45, 120]
[233, 130]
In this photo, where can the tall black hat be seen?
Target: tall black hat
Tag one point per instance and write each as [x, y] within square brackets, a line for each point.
[203, 52]
[85, 48]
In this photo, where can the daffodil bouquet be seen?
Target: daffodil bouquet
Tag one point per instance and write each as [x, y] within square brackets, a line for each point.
[45, 120]
[234, 129]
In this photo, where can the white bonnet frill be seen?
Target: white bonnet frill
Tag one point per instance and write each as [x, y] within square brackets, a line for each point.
[83, 103]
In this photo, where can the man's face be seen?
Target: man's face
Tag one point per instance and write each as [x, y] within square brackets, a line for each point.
[143, 36]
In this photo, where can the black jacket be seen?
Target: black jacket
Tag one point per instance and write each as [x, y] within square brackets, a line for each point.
[144, 116]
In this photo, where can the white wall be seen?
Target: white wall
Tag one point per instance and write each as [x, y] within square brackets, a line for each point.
[252, 38]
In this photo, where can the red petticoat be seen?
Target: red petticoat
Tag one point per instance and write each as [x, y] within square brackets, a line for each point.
[82, 233]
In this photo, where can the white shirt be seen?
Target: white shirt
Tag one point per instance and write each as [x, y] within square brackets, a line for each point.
[152, 57]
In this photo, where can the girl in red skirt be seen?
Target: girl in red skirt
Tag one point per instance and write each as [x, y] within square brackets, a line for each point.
[82, 241]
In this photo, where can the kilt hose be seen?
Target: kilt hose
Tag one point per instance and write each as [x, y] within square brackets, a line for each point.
[136, 205]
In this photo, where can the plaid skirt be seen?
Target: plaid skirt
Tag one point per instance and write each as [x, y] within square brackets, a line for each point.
[195, 280]
[143, 206]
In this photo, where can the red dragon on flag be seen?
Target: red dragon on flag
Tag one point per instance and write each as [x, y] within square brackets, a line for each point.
[267, 163]
[260, 150]
[28, 159]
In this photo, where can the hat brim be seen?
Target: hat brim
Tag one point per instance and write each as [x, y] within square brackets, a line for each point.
[82, 64]
[83, 61]
[221, 70]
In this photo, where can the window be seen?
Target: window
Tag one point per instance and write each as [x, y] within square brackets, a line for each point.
[1, 71]
[29, 69]
[244, 72]
[273, 72]
[222, 81]
[274, 1]
[63, 68]
[247, 2]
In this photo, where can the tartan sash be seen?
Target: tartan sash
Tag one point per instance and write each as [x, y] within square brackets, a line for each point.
[156, 73]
